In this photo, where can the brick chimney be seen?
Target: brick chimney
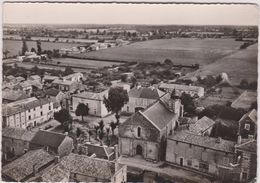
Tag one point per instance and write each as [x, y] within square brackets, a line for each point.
[57, 159]
[239, 139]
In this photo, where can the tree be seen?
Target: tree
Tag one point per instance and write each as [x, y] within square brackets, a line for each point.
[113, 127]
[89, 135]
[168, 62]
[244, 84]
[64, 117]
[6, 52]
[123, 78]
[24, 47]
[33, 50]
[68, 71]
[78, 132]
[82, 110]
[101, 135]
[101, 125]
[39, 48]
[117, 98]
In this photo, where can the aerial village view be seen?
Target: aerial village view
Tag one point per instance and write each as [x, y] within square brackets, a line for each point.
[118, 93]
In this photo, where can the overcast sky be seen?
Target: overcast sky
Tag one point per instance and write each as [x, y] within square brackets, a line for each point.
[54, 13]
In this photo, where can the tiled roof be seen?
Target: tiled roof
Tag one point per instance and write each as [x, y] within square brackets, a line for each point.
[245, 100]
[23, 105]
[14, 95]
[251, 114]
[159, 114]
[22, 167]
[99, 151]
[92, 167]
[201, 125]
[92, 95]
[72, 75]
[48, 138]
[63, 82]
[34, 77]
[18, 133]
[46, 77]
[203, 141]
[181, 87]
[55, 174]
[248, 145]
[52, 92]
[144, 92]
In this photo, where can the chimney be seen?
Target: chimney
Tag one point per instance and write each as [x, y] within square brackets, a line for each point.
[239, 139]
[57, 159]
[116, 157]
[218, 140]
[47, 148]
[35, 169]
[93, 155]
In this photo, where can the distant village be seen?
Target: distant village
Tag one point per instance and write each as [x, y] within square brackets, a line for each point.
[133, 122]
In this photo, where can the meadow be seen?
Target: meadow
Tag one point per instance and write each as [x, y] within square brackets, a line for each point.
[14, 46]
[180, 51]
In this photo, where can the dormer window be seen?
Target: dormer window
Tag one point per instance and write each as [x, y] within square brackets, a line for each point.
[138, 131]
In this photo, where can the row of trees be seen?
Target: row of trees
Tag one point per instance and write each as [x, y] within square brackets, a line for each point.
[25, 47]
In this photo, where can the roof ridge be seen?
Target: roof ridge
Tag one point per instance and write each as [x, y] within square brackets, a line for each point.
[149, 120]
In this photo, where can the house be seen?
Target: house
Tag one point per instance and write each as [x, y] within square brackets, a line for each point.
[125, 86]
[202, 153]
[55, 94]
[20, 79]
[74, 77]
[101, 152]
[141, 98]
[49, 79]
[192, 90]
[203, 126]
[11, 96]
[65, 85]
[245, 100]
[27, 112]
[248, 124]
[94, 102]
[144, 133]
[34, 78]
[86, 169]
[27, 166]
[15, 141]
[246, 157]
[57, 143]
[24, 86]
[57, 173]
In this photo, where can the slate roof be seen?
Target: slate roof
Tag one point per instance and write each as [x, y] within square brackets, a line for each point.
[99, 151]
[23, 105]
[144, 92]
[48, 138]
[93, 167]
[22, 167]
[251, 114]
[201, 125]
[181, 87]
[249, 145]
[92, 95]
[18, 133]
[245, 100]
[203, 141]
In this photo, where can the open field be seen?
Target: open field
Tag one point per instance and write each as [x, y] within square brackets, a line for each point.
[238, 66]
[180, 51]
[15, 46]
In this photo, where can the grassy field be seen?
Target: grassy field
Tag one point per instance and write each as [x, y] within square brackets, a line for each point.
[180, 51]
[238, 66]
[15, 46]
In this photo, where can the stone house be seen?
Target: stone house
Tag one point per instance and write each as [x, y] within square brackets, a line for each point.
[27, 112]
[65, 85]
[192, 90]
[145, 132]
[57, 143]
[94, 102]
[141, 98]
[203, 126]
[74, 77]
[202, 153]
[15, 141]
[248, 124]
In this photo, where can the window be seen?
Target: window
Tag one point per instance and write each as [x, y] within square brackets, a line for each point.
[29, 117]
[189, 162]
[247, 126]
[176, 142]
[41, 107]
[49, 107]
[41, 113]
[29, 110]
[34, 109]
[138, 131]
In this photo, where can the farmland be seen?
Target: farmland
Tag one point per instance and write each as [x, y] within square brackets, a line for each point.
[180, 51]
[238, 66]
[15, 46]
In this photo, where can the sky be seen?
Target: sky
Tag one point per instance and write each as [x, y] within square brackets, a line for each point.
[159, 14]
